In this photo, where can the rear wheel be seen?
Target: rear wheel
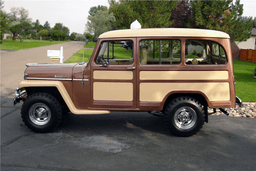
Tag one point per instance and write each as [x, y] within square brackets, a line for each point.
[184, 116]
[41, 112]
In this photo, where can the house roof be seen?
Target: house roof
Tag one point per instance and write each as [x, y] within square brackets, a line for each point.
[163, 32]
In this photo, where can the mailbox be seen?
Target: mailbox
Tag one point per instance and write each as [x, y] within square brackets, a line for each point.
[56, 54]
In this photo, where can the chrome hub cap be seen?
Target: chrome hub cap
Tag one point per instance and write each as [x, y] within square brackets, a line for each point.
[40, 114]
[185, 118]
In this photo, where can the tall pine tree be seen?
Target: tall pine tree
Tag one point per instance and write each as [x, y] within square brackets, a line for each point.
[150, 14]
[221, 15]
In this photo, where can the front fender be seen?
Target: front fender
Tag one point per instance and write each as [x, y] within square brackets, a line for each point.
[63, 92]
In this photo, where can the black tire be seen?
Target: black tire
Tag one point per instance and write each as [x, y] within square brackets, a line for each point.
[41, 112]
[184, 116]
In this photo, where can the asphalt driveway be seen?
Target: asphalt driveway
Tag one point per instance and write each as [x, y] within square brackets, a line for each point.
[125, 141]
[13, 63]
[115, 142]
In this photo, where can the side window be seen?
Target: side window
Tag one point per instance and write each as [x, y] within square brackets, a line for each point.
[222, 52]
[204, 52]
[115, 53]
[160, 52]
[215, 49]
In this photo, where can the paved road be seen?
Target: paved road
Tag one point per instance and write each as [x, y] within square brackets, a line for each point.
[13, 63]
[118, 141]
[125, 141]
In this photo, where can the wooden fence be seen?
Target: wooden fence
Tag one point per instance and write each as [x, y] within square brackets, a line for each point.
[248, 55]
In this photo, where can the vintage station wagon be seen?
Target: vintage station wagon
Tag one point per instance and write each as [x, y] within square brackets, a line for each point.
[178, 73]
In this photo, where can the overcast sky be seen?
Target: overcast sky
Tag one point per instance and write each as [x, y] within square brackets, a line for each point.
[73, 13]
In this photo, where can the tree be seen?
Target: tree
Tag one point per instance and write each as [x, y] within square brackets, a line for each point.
[57, 35]
[80, 37]
[40, 27]
[221, 15]
[66, 30]
[47, 26]
[100, 22]
[123, 13]
[73, 36]
[4, 22]
[36, 24]
[24, 28]
[18, 20]
[44, 33]
[181, 14]
[1, 5]
[63, 29]
[93, 10]
[88, 36]
[150, 14]
[58, 26]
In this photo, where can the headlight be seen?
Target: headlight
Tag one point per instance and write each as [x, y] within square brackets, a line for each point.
[25, 76]
[20, 92]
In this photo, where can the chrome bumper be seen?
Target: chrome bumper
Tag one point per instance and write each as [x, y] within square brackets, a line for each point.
[20, 94]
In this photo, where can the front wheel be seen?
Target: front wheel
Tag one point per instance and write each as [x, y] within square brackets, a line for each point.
[184, 116]
[41, 112]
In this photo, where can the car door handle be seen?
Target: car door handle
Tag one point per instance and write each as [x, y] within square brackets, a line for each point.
[130, 68]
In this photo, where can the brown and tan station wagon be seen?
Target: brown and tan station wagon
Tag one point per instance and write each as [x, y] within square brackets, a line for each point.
[178, 73]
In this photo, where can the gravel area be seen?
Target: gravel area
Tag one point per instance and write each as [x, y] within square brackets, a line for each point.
[248, 109]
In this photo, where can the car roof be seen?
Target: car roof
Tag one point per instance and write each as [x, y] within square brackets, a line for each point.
[164, 32]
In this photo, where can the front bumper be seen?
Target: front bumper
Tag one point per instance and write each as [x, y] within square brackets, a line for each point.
[20, 94]
[239, 101]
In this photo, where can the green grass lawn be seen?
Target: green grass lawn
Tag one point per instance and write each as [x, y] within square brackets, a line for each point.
[78, 56]
[90, 45]
[26, 44]
[245, 82]
[121, 54]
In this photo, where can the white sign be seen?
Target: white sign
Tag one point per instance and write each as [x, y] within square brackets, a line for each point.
[56, 54]
[53, 53]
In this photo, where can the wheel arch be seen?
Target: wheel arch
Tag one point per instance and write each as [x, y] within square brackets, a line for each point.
[50, 90]
[201, 97]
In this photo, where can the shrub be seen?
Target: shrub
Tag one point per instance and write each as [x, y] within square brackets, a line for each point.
[191, 56]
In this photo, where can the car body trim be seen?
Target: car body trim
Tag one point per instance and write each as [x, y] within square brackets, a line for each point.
[80, 79]
[38, 78]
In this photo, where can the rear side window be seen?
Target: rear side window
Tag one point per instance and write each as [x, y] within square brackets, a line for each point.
[204, 52]
[160, 52]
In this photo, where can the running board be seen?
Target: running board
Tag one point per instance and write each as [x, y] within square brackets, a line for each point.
[156, 113]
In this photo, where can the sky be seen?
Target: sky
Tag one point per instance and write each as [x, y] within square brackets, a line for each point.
[73, 13]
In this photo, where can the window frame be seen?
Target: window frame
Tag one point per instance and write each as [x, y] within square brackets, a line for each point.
[212, 40]
[114, 40]
[160, 57]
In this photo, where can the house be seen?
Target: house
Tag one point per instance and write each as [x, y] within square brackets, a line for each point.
[7, 35]
[249, 43]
